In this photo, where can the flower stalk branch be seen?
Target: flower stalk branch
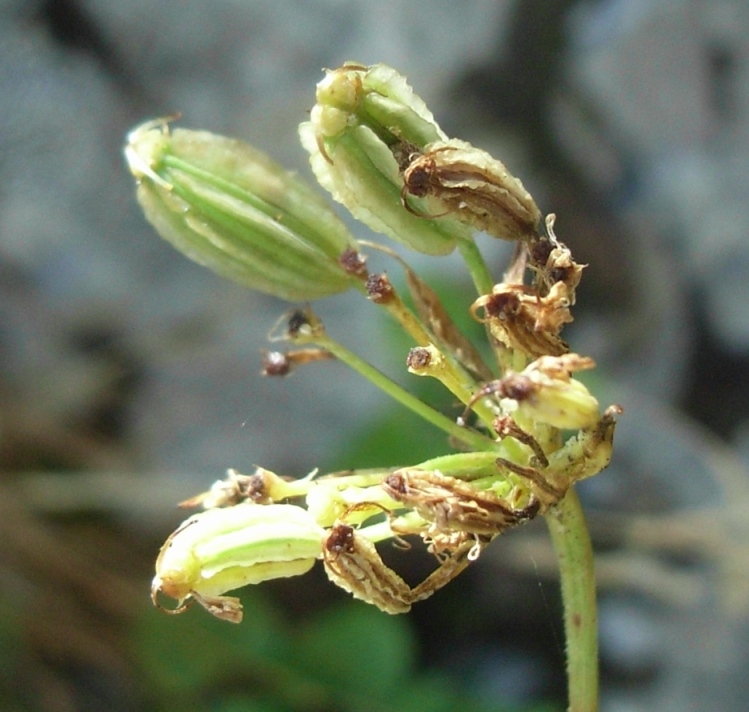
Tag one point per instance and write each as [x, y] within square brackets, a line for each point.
[314, 333]
[474, 261]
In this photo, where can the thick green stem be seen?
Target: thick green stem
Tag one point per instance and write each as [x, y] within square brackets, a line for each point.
[571, 541]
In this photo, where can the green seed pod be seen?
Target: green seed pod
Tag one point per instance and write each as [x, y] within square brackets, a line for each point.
[587, 453]
[378, 97]
[366, 123]
[229, 207]
[220, 550]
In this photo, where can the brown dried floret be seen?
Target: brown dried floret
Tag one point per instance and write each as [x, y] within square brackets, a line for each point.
[261, 487]
[418, 358]
[354, 262]
[232, 490]
[552, 262]
[521, 319]
[459, 556]
[353, 563]
[468, 184]
[379, 288]
[453, 505]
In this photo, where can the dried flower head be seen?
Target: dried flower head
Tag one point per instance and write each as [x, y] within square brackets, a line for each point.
[466, 183]
[519, 318]
[552, 262]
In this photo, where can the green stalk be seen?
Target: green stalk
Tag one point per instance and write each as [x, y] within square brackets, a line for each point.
[571, 541]
[482, 278]
[454, 377]
[572, 545]
[474, 440]
[471, 466]
[484, 283]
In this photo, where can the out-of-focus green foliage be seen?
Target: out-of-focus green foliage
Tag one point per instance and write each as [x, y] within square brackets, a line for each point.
[350, 657]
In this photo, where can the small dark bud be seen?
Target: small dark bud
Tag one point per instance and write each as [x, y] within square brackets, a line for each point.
[341, 539]
[379, 289]
[297, 320]
[516, 386]
[276, 363]
[353, 262]
[418, 358]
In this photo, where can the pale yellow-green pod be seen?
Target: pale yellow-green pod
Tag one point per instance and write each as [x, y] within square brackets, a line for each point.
[378, 97]
[223, 549]
[545, 392]
[335, 499]
[231, 208]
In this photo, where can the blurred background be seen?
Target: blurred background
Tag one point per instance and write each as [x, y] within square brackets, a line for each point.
[130, 378]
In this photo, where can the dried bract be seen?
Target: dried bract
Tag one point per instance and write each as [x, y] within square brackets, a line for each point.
[447, 334]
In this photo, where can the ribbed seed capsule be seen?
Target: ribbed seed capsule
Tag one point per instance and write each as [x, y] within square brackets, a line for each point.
[455, 505]
[352, 563]
[222, 549]
[229, 207]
